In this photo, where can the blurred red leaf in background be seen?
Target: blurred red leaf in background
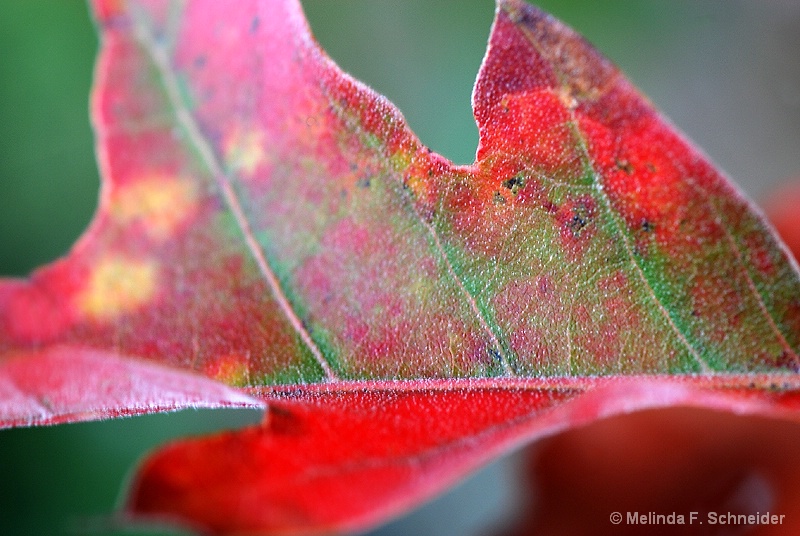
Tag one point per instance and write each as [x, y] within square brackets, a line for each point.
[272, 234]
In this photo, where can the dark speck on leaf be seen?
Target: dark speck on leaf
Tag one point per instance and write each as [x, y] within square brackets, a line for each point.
[514, 184]
[625, 166]
[647, 227]
[522, 16]
[499, 199]
[363, 183]
[575, 215]
[579, 221]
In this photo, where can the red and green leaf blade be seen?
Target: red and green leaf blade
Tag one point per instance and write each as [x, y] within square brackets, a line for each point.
[268, 221]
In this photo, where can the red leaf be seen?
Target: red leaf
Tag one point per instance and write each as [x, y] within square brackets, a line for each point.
[268, 222]
[333, 460]
[704, 469]
[781, 207]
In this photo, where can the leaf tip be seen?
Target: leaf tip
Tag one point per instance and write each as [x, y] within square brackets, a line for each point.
[530, 50]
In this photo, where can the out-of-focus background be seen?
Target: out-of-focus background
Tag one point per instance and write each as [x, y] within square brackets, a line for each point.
[726, 72]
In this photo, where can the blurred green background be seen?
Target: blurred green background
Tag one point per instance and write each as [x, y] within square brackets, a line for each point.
[726, 71]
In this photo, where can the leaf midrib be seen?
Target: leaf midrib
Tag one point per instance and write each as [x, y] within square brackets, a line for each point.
[619, 226]
[437, 245]
[158, 55]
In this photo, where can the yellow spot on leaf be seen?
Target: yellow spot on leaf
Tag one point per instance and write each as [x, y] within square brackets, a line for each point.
[229, 369]
[159, 203]
[244, 150]
[567, 98]
[418, 186]
[118, 285]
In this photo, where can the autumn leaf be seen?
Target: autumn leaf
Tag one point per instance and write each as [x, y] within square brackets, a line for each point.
[272, 234]
[781, 209]
[709, 470]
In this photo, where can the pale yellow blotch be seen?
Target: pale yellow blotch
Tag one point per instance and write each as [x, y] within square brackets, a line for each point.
[567, 97]
[231, 370]
[244, 150]
[118, 285]
[159, 203]
[418, 186]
